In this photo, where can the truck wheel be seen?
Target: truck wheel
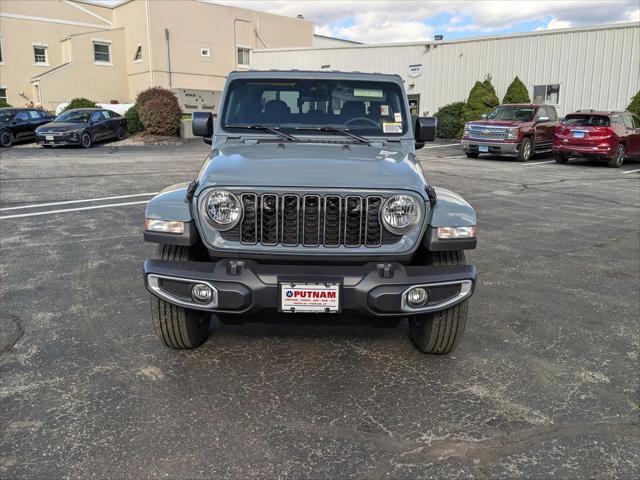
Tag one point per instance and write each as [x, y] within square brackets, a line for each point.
[440, 332]
[178, 327]
[618, 158]
[6, 138]
[525, 152]
[472, 154]
[560, 157]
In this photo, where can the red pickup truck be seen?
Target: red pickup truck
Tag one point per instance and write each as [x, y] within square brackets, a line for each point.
[515, 130]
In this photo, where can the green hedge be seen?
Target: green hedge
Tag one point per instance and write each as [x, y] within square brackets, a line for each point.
[134, 125]
[516, 93]
[4, 104]
[450, 123]
[161, 115]
[80, 103]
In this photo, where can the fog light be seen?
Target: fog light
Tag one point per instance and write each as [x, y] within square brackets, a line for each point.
[201, 293]
[417, 297]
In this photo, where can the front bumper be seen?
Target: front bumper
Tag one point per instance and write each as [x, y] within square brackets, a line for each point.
[495, 148]
[372, 289]
[67, 139]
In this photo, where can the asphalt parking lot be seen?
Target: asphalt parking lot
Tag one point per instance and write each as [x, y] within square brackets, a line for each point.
[543, 385]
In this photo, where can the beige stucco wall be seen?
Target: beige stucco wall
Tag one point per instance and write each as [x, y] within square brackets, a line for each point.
[68, 32]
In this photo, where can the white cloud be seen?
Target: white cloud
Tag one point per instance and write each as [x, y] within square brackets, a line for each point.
[406, 20]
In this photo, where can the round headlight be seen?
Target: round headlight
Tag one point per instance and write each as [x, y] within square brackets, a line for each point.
[224, 210]
[400, 214]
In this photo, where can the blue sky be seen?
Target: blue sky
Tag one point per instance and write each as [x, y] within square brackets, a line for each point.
[386, 21]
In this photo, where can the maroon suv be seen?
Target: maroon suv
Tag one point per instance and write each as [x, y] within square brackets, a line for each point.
[516, 130]
[609, 136]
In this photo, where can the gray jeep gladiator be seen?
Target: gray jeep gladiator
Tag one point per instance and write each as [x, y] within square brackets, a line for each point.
[311, 203]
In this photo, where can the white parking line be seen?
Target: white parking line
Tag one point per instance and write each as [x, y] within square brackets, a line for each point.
[38, 205]
[441, 146]
[456, 156]
[52, 212]
[631, 171]
[536, 163]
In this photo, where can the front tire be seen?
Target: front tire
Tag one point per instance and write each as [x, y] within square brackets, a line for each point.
[472, 154]
[440, 332]
[6, 138]
[178, 327]
[85, 140]
[525, 152]
[618, 158]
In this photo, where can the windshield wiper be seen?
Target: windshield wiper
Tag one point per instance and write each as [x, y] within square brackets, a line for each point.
[344, 131]
[273, 130]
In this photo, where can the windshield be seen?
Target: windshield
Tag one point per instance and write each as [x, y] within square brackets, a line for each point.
[6, 115]
[586, 121]
[364, 108]
[518, 114]
[81, 116]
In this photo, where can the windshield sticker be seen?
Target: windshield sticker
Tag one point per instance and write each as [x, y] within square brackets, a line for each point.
[367, 92]
[392, 127]
[384, 110]
[397, 117]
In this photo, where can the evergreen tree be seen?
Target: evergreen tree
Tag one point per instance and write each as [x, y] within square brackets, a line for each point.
[634, 106]
[516, 93]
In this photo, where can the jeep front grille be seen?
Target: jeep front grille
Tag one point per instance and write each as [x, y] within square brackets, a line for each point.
[311, 220]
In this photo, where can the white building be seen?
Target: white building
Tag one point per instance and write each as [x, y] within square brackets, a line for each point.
[594, 67]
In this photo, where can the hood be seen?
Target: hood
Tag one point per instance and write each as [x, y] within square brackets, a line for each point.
[313, 166]
[497, 123]
[60, 127]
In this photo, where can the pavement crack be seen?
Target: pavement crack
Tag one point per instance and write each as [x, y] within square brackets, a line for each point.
[13, 335]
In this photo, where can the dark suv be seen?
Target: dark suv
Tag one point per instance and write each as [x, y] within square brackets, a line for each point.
[514, 130]
[609, 136]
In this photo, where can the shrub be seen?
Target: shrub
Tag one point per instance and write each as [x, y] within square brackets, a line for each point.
[81, 103]
[450, 122]
[161, 115]
[4, 104]
[482, 99]
[634, 106]
[134, 125]
[153, 92]
[516, 93]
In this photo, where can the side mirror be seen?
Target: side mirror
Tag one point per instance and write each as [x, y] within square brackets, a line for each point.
[543, 119]
[202, 124]
[425, 130]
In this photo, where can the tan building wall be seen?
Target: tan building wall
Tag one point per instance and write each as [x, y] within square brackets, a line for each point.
[202, 45]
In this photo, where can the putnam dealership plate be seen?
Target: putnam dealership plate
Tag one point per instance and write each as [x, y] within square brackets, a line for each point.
[310, 297]
[48, 137]
[578, 134]
[483, 148]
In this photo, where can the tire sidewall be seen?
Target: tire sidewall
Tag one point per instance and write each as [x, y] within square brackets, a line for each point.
[84, 143]
[6, 138]
[526, 146]
[618, 158]
[121, 133]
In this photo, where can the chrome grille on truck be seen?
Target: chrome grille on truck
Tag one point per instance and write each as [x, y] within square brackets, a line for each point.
[482, 132]
[311, 220]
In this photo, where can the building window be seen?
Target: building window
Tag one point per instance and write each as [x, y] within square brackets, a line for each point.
[243, 56]
[101, 52]
[40, 55]
[205, 52]
[138, 56]
[3, 94]
[547, 94]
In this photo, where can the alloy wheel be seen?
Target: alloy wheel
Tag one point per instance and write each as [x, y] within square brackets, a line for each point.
[6, 139]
